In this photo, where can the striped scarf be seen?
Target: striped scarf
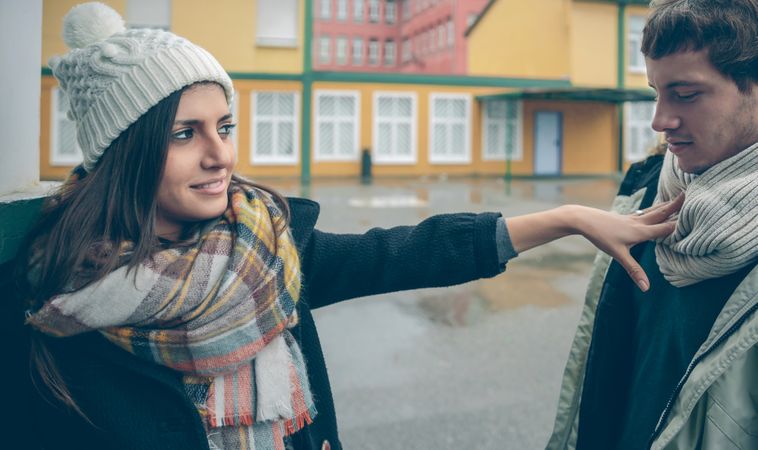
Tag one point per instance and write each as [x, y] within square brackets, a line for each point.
[218, 311]
[716, 230]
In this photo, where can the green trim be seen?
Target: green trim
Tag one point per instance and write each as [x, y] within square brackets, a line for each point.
[604, 95]
[265, 76]
[46, 71]
[447, 80]
[16, 218]
[618, 2]
[478, 18]
[305, 110]
[621, 46]
[620, 79]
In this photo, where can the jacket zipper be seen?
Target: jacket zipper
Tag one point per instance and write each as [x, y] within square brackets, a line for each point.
[690, 368]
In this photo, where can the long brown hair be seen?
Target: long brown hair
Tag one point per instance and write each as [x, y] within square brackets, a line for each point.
[77, 238]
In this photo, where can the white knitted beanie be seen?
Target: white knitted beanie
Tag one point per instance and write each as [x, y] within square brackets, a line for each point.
[112, 75]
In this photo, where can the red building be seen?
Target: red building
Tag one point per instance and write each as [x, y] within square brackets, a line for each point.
[412, 36]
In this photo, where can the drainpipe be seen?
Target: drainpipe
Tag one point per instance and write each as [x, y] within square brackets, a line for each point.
[305, 111]
[620, 72]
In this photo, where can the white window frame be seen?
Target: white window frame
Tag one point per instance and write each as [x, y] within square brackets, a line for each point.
[405, 52]
[325, 9]
[356, 51]
[341, 13]
[148, 14]
[359, 11]
[254, 157]
[394, 159]
[56, 157]
[450, 33]
[276, 30]
[324, 51]
[447, 158]
[390, 53]
[502, 124]
[390, 12]
[340, 50]
[630, 125]
[636, 61]
[318, 155]
[373, 11]
[374, 52]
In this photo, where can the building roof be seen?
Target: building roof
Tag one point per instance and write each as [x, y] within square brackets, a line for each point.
[606, 95]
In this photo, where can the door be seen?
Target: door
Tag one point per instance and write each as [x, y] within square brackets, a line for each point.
[548, 130]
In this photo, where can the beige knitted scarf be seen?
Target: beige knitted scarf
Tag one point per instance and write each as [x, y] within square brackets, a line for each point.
[716, 231]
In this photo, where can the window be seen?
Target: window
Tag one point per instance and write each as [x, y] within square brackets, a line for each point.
[341, 50]
[148, 14]
[406, 50]
[64, 150]
[450, 33]
[324, 56]
[394, 128]
[406, 10]
[357, 51]
[638, 134]
[502, 130]
[276, 23]
[389, 52]
[337, 124]
[390, 15]
[342, 10]
[274, 126]
[441, 36]
[634, 43]
[325, 9]
[470, 19]
[373, 52]
[449, 128]
[358, 10]
[373, 11]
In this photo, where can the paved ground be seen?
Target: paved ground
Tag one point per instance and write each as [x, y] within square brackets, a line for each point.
[475, 366]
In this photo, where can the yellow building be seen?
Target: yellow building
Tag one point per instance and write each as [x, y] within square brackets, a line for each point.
[544, 93]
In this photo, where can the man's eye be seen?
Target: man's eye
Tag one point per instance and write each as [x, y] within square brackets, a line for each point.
[182, 134]
[226, 130]
[687, 96]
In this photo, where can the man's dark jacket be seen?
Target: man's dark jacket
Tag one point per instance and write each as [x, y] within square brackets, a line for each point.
[135, 404]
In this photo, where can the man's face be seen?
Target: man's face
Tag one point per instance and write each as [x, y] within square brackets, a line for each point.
[704, 116]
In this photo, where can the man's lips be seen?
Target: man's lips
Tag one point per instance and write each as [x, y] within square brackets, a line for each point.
[677, 146]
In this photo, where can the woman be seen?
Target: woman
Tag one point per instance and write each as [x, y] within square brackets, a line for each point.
[204, 281]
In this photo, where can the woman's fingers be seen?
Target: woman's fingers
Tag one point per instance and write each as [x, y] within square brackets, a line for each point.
[633, 269]
[662, 211]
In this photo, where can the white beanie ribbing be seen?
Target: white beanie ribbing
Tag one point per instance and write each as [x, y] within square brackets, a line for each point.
[112, 76]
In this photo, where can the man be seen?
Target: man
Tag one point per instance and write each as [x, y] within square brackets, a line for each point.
[677, 367]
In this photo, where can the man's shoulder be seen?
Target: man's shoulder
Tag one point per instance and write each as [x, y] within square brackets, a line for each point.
[642, 174]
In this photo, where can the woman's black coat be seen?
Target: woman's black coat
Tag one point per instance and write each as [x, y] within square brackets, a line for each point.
[135, 404]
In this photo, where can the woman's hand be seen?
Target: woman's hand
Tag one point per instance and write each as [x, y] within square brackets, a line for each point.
[612, 233]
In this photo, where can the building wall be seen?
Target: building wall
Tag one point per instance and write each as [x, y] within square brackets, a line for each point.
[522, 38]
[593, 44]
[634, 79]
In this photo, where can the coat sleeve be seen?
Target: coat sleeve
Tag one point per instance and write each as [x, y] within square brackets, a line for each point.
[443, 250]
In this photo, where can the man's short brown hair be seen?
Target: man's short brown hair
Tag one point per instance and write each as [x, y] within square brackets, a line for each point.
[727, 29]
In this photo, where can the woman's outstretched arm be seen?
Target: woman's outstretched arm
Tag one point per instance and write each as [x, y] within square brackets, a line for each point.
[612, 233]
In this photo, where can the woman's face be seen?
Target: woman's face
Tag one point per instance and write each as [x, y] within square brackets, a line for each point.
[199, 162]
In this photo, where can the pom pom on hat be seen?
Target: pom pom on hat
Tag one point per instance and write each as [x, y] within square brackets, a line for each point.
[89, 23]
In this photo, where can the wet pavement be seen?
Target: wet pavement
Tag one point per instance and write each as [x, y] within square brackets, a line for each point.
[476, 366]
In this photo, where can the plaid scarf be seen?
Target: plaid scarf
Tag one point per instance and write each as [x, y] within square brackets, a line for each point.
[218, 311]
[715, 234]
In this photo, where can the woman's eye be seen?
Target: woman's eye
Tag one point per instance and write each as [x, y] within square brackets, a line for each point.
[226, 130]
[182, 135]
